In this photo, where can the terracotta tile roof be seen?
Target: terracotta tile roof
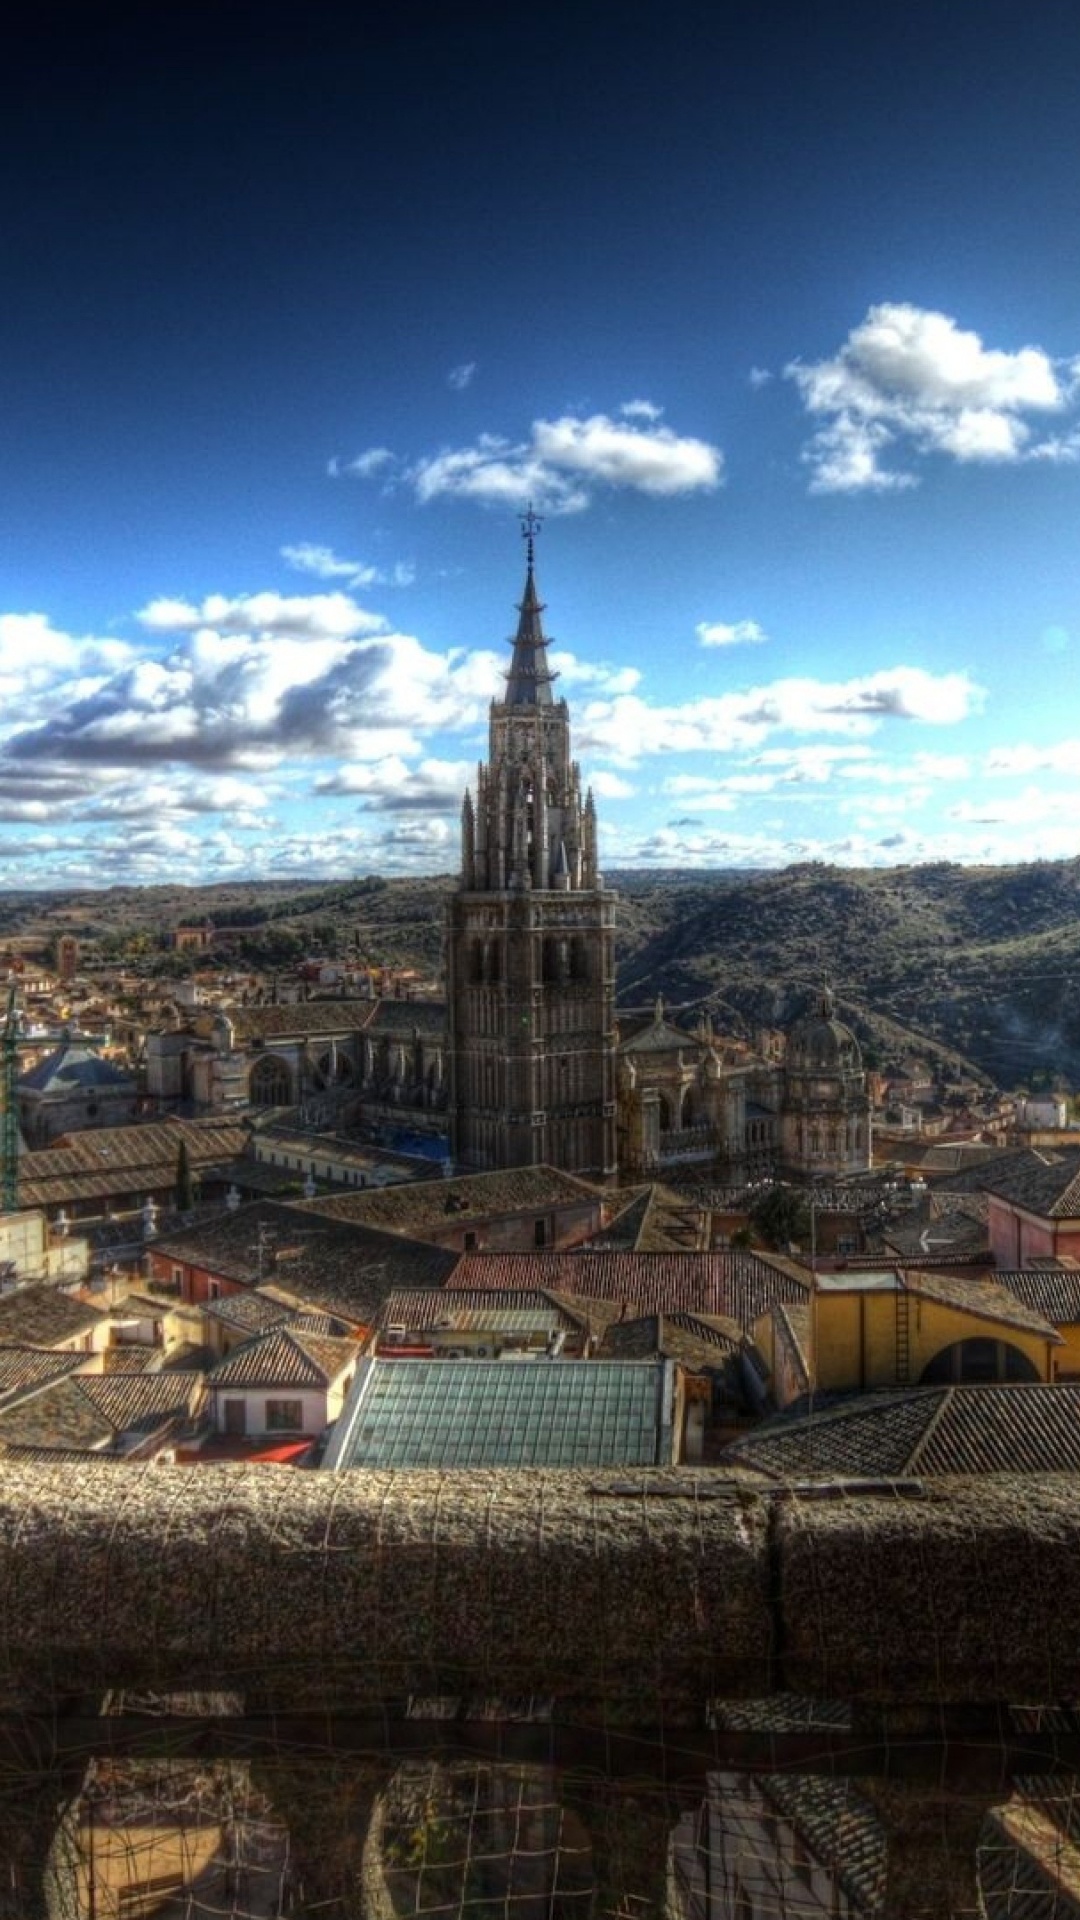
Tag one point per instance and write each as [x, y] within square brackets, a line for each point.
[61, 1415]
[693, 1343]
[1043, 1184]
[41, 1316]
[984, 1297]
[841, 1830]
[1052, 1292]
[738, 1286]
[415, 1207]
[285, 1358]
[251, 1313]
[108, 1160]
[923, 1431]
[310, 1258]
[308, 1019]
[402, 1016]
[25, 1369]
[144, 1400]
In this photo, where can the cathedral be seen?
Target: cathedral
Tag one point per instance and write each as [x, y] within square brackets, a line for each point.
[540, 1068]
[529, 1063]
[530, 946]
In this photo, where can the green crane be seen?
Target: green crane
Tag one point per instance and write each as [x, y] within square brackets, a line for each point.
[9, 1110]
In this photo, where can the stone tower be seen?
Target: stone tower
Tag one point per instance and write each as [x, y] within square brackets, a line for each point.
[530, 960]
[825, 1118]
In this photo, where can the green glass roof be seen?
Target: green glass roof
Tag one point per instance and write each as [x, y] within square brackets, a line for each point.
[478, 1413]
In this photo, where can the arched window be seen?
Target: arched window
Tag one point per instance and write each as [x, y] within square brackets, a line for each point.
[271, 1082]
[977, 1362]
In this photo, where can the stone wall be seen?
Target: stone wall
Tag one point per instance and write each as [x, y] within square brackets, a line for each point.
[633, 1596]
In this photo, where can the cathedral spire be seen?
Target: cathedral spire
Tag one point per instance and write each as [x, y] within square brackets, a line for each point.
[530, 679]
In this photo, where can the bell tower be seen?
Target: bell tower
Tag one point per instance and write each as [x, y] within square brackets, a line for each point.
[530, 948]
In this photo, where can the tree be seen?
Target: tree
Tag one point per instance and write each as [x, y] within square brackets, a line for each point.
[781, 1215]
[185, 1186]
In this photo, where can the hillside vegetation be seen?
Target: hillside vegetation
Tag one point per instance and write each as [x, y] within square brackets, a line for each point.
[981, 965]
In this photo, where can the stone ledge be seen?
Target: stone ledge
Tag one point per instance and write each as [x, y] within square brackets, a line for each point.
[627, 1597]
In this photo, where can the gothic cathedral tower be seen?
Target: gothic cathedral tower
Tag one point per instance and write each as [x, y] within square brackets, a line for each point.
[530, 949]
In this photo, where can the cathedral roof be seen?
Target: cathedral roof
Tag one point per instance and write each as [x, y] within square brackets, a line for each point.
[820, 1043]
[658, 1036]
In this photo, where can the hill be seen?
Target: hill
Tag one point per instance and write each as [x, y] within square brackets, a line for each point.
[978, 965]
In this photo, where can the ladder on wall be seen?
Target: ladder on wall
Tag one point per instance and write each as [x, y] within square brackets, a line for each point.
[903, 1332]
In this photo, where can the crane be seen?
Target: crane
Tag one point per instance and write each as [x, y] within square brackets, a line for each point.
[9, 1111]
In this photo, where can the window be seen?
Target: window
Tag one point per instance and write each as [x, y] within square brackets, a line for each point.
[235, 1416]
[284, 1416]
[470, 1241]
[539, 1233]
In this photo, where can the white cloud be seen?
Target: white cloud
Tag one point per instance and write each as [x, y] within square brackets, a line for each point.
[909, 379]
[564, 461]
[721, 633]
[461, 377]
[593, 673]
[1063, 756]
[247, 681]
[626, 728]
[362, 466]
[759, 376]
[610, 786]
[325, 564]
[391, 786]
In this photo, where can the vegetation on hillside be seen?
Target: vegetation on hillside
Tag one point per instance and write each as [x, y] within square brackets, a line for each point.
[978, 968]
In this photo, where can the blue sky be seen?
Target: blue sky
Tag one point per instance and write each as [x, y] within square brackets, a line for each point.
[771, 309]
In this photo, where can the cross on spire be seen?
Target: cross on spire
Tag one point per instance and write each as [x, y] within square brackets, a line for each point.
[531, 524]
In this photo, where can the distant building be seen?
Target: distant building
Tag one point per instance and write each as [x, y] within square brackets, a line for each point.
[74, 1088]
[67, 957]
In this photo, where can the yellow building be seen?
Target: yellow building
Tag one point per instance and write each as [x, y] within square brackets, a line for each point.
[890, 1328]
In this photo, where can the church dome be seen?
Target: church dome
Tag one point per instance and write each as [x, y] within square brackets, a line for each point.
[820, 1043]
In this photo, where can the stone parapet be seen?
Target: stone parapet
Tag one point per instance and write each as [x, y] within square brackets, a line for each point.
[626, 1598]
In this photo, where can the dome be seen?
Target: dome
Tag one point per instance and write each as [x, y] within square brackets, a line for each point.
[820, 1043]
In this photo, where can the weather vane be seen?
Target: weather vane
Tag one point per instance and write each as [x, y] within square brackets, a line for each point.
[531, 524]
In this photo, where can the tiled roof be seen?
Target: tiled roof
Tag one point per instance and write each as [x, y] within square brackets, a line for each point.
[953, 1232]
[73, 1067]
[416, 1207]
[1053, 1293]
[310, 1259]
[308, 1020]
[1043, 1184]
[402, 1016]
[251, 1312]
[621, 1234]
[285, 1358]
[984, 1297]
[487, 1413]
[480, 1310]
[660, 1037]
[739, 1286]
[107, 1160]
[89, 1411]
[24, 1369]
[41, 1316]
[841, 1830]
[60, 1416]
[924, 1431]
[144, 1400]
[677, 1337]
